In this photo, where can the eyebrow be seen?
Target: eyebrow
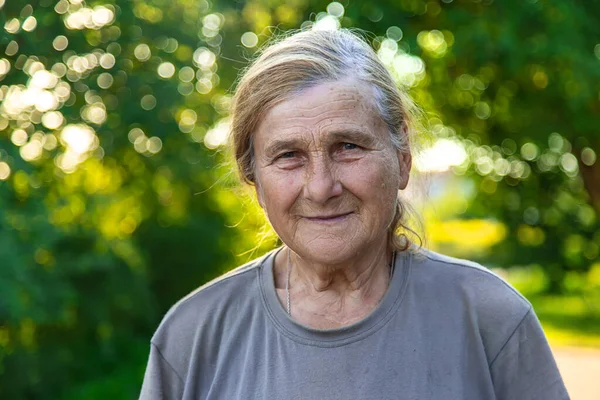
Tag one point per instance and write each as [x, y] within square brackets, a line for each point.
[279, 145]
[354, 136]
[345, 135]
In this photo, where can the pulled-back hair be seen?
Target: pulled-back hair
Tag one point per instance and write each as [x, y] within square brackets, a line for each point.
[306, 59]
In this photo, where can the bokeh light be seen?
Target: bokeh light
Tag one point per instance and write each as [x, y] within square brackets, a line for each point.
[12, 26]
[142, 52]
[88, 18]
[218, 134]
[60, 43]
[52, 119]
[105, 80]
[443, 155]
[4, 171]
[186, 74]
[148, 102]
[394, 33]
[588, 156]
[249, 39]
[336, 9]
[4, 67]
[166, 70]
[12, 48]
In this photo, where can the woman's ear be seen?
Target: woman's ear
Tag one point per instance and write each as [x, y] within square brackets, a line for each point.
[405, 163]
[404, 158]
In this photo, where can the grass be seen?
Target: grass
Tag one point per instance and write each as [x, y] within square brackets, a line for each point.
[567, 320]
[571, 319]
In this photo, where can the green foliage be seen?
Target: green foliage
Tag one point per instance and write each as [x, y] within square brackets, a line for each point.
[115, 203]
[571, 318]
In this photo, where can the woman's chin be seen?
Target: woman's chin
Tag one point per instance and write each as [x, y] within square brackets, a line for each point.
[327, 251]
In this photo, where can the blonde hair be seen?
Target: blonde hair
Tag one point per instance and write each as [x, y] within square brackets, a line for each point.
[306, 59]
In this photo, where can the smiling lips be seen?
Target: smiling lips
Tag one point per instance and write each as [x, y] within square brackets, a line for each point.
[328, 218]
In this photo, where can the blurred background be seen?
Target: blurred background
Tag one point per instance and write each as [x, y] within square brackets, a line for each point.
[117, 199]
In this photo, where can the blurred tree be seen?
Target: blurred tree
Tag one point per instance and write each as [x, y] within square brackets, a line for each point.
[103, 106]
[520, 81]
[111, 111]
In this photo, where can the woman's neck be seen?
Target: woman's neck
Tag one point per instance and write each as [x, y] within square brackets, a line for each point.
[331, 296]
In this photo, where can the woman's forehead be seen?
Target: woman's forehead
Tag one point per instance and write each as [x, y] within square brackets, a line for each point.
[348, 102]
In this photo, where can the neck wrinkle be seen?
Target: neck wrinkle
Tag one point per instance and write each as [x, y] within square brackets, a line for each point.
[357, 279]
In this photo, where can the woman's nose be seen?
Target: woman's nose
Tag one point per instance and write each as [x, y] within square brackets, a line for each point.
[321, 182]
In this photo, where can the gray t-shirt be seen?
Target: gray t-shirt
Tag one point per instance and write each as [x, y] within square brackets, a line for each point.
[446, 329]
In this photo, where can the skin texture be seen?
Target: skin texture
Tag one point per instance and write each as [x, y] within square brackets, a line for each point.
[327, 176]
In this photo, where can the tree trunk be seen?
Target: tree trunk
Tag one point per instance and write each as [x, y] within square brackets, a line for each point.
[591, 181]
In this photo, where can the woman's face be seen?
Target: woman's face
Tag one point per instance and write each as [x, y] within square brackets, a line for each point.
[327, 174]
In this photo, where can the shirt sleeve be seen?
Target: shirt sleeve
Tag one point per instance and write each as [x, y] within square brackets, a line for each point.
[161, 381]
[525, 368]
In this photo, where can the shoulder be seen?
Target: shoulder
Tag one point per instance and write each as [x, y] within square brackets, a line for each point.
[466, 276]
[490, 304]
[203, 314]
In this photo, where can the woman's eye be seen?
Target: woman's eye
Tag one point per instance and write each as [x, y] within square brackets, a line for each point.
[349, 146]
[288, 154]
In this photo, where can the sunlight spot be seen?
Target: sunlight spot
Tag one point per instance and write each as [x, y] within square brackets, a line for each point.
[444, 153]
[31, 151]
[50, 142]
[568, 163]
[433, 42]
[94, 113]
[29, 24]
[204, 57]
[52, 119]
[166, 70]
[4, 171]
[19, 137]
[140, 144]
[78, 138]
[85, 17]
[61, 7]
[102, 16]
[249, 39]
[154, 145]
[43, 79]
[148, 102]
[204, 86]
[186, 74]
[327, 23]
[482, 110]
[12, 26]
[407, 69]
[60, 43]
[394, 33]
[4, 67]
[188, 117]
[336, 9]
[107, 61]
[105, 80]
[218, 135]
[134, 134]
[142, 52]
[588, 156]
[44, 99]
[12, 48]
[529, 151]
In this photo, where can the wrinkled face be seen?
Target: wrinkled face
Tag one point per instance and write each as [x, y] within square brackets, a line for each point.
[327, 174]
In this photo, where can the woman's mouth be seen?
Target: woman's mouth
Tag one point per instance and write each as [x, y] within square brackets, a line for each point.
[328, 218]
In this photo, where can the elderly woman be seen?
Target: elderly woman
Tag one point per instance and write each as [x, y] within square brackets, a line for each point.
[348, 308]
